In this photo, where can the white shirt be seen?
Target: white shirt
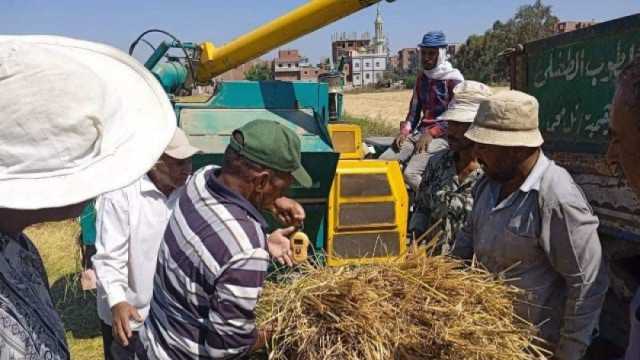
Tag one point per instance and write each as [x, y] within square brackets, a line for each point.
[130, 225]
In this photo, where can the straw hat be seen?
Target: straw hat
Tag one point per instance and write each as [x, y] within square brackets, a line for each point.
[78, 119]
[467, 97]
[509, 118]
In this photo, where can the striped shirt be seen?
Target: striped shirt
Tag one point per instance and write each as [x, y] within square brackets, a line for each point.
[430, 99]
[211, 267]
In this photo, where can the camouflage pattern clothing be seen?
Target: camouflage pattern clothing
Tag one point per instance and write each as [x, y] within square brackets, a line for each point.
[442, 196]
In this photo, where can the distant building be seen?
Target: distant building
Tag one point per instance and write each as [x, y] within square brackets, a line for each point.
[408, 60]
[394, 62]
[567, 26]
[238, 72]
[452, 49]
[286, 66]
[311, 73]
[291, 66]
[343, 44]
[367, 69]
[366, 58]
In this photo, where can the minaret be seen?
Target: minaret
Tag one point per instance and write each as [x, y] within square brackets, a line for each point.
[379, 40]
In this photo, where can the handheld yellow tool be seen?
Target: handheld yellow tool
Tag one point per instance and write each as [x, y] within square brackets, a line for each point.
[299, 245]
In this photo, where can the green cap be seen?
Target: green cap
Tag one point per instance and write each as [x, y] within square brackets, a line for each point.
[273, 145]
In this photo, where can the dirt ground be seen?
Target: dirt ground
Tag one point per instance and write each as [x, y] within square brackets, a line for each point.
[388, 106]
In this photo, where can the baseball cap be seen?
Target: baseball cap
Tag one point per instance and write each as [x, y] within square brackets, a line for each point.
[273, 145]
[179, 147]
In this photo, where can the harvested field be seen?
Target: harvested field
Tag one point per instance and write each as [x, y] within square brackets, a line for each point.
[386, 106]
[58, 246]
[418, 308]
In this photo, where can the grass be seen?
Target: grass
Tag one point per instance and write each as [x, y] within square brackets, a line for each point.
[57, 243]
[372, 127]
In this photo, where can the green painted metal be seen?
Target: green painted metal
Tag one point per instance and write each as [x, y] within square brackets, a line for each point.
[171, 75]
[573, 77]
[300, 106]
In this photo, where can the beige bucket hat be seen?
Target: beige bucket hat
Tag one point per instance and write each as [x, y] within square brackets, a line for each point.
[78, 119]
[467, 97]
[179, 147]
[509, 118]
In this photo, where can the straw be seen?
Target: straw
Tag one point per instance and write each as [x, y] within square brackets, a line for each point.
[418, 307]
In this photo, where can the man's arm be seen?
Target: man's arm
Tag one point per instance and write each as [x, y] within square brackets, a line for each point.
[570, 240]
[463, 245]
[112, 246]
[111, 261]
[415, 107]
[232, 306]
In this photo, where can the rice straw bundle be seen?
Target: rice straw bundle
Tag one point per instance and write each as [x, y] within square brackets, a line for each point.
[419, 307]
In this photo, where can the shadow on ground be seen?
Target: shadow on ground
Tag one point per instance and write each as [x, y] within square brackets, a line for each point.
[77, 307]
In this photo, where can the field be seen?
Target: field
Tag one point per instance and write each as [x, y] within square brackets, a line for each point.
[60, 252]
[389, 107]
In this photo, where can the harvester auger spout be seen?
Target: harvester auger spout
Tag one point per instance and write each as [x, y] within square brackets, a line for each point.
[212, 61]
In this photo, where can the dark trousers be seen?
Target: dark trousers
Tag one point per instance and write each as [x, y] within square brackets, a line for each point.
[114, 351]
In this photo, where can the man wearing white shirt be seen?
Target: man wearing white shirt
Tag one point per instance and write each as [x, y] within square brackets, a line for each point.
[130, 225]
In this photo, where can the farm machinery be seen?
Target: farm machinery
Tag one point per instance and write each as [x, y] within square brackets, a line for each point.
[356, 208]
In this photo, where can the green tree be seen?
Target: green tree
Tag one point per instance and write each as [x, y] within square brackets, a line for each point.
[478, 57]
[259, 72]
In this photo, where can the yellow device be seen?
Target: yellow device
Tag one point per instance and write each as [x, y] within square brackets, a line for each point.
[368, 204]
[347, 140]
[299, 245]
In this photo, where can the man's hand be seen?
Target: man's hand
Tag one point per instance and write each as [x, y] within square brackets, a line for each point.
[398, 141]
[423, 143]
[264, 336]
[279, 245]
[121, 313]
[289, 212]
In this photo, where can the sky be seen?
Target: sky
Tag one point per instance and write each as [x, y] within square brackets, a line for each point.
[119, 22]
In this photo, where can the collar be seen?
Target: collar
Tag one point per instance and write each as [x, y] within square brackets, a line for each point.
[220, 190]
[535, 176]
[146, 185]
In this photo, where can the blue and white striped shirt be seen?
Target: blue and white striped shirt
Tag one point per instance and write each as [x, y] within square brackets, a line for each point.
[211, 267]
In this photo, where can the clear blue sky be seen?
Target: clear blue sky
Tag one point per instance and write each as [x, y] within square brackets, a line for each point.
[118, 22]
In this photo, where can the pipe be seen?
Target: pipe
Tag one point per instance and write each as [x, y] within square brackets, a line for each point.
[299, 22]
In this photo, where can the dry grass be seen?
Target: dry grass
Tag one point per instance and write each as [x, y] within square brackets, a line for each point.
[61, 255]
[420, 308]
[389, 106]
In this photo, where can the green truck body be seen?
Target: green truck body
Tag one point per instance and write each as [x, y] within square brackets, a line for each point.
[573, 76]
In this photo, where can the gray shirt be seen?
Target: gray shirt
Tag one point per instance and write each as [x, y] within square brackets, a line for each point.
[544, 237]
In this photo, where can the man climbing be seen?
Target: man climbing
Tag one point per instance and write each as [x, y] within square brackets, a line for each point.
[422, 134]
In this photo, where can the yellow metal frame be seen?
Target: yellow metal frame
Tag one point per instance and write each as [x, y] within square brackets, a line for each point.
[398, 196]
[298, 22]
[356, 131]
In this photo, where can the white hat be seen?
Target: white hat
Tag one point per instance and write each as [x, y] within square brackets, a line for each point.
[179, 147]
[509, 118]
[78, 119]
[467, 97]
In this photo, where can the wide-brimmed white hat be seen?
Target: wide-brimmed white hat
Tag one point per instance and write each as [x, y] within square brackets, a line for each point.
[78, 119]
[509, 118]
[467, 97]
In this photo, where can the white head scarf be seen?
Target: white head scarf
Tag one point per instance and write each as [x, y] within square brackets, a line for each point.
[443, 69]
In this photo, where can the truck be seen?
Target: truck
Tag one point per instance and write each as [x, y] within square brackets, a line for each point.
[573, 76]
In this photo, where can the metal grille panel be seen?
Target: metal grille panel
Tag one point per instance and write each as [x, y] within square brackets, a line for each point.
[366, 245]
[367, 214]
[344, 141]
[364, 185]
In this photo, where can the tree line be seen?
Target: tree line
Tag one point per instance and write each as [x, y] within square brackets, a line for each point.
[478, 57]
